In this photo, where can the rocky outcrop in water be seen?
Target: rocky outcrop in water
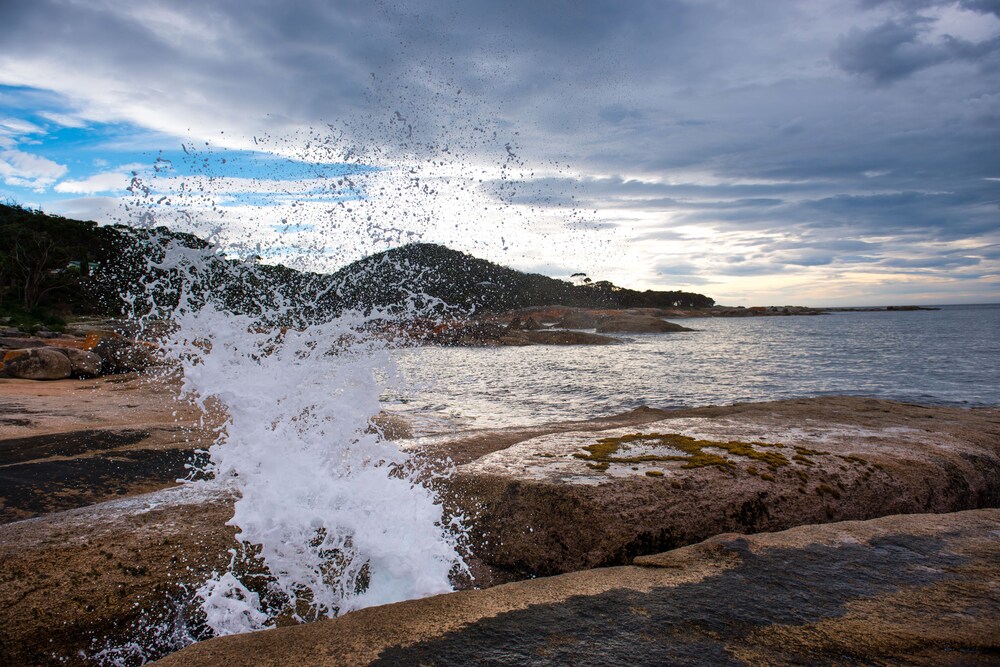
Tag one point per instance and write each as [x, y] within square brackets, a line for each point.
[637, 324]
[915, 589]
[555, 338]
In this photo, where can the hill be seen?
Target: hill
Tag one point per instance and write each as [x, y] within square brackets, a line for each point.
[52, 267]
[466, 282]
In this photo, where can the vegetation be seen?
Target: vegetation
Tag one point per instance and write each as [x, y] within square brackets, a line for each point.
[609, 450]
[52, 267]
[459, 279]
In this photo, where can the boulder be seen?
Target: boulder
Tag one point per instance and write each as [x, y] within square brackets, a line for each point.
[121, 355]
[83, 362]
[900, 590]
[39, 363]
[637, 324]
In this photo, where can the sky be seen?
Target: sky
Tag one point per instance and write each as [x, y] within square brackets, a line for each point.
[837, 152]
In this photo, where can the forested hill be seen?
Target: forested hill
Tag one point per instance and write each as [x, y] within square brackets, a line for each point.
[459, 279]
[52, 266]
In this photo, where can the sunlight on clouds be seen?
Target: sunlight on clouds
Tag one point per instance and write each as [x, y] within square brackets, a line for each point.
[21, 169]
[104, 182]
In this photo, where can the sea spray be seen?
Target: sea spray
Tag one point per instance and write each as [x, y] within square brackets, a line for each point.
[330, 514]
[337, 515]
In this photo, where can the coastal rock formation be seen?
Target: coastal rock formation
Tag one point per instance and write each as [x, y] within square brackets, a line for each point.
[98, 352]
[539, 500]
[84, 363]
[527, 324]
[579, 319]
[555, 338]
[76, 442]
[121, 355]
[588, 318]
[917, 589]
[637, 324]
[20, 342]
[97, 578]
[568, 501]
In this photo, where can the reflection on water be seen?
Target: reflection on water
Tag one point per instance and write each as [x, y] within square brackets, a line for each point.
[951, 356]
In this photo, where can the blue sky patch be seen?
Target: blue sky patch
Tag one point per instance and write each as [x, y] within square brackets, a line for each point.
[48, 154]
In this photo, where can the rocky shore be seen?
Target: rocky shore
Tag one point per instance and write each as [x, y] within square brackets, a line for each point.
[118, 563]
[917, 590]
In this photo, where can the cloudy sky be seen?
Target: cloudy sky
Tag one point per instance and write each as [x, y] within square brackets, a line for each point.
[820, 153]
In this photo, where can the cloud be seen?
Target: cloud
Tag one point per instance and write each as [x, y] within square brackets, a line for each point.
[63, 119]
[109, 182]
[805, 138]
[980, 6]
[26, 170]
[902, 46]
[15, 127]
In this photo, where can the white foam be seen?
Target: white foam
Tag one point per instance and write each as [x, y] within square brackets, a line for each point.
[340, 516]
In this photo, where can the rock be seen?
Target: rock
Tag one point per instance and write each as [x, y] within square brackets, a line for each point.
[77, 442]
[521, 338]
[83, 362]
[529, 324]
[544, 500]
[579, 319]
[121, 355]
[567, 501]
[637, 324]
[20, 342]
[567, 338]
[515, 339]
[80, 581]
[915, 589]
[39, 363]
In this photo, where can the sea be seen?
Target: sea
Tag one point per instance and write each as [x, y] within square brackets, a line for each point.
[949, 356]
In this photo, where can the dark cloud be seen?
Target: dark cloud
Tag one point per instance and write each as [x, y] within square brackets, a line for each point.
[981, 6]
[898, 48]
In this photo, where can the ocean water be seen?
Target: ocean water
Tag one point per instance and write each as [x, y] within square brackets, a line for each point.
[949, 356]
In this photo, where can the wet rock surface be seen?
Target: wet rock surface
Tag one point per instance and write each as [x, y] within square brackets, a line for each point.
[77, 442]
[919, 589]
[78, 583]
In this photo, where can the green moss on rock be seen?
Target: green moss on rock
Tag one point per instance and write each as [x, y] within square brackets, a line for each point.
[609, 450]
